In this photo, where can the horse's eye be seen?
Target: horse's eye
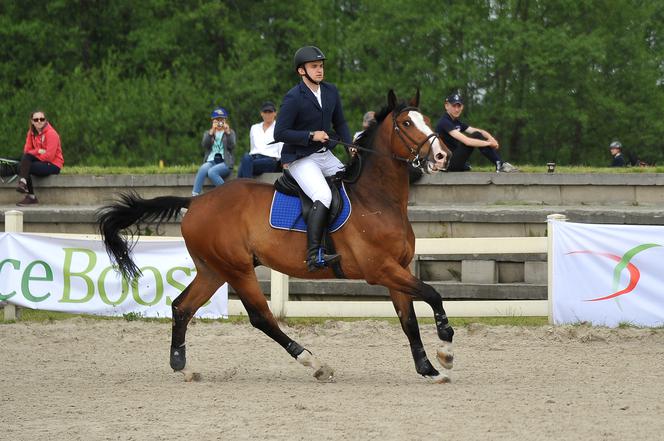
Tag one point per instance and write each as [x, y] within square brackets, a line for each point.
[407, 123]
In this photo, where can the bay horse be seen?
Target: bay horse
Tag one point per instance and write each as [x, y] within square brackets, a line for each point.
[227, 234]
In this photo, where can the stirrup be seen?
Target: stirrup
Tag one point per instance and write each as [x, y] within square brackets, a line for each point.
[321, 260]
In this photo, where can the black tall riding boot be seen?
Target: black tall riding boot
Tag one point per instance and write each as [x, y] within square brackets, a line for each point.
[316, 257]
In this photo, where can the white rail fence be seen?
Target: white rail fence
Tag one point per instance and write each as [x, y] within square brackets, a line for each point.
[282, 306]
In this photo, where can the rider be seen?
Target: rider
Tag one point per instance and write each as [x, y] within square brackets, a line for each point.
[308, 112]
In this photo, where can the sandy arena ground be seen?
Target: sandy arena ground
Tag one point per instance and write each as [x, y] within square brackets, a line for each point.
[85, 379]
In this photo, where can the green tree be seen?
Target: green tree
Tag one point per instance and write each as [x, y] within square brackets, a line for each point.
[131, 84]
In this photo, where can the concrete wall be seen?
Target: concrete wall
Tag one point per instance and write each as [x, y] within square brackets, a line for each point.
[443, 189]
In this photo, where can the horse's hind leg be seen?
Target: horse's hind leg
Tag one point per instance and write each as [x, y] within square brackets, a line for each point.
[403, 304]
[247, 288]
[184, 307]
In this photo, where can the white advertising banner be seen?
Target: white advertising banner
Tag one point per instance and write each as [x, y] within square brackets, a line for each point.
[608, 274]
[76, 276]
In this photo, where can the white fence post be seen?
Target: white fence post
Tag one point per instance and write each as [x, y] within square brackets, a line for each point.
[278, 293]
[13, 224]
[550, 224]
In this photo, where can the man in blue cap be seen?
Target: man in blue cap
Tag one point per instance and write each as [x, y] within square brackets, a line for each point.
[462, 139]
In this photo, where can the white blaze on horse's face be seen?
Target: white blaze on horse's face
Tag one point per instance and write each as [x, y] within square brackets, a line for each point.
[436, 150]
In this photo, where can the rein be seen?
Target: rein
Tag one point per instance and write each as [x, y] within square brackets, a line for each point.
[364, 149]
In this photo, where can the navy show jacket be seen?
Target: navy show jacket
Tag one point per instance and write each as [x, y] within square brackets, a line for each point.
[300, 114]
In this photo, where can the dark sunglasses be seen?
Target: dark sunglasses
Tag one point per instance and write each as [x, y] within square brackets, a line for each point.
[38, 119]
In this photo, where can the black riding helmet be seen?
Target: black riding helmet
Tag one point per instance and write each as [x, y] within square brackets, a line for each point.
[306, 54]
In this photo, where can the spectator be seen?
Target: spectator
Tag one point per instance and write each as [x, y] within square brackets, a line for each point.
[263, 156]
[309, 110]
[367, 120]
[42, 156]
[218, 144]
[616, 151]
[455, 135]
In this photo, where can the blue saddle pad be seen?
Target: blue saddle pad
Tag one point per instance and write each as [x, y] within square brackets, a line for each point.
[286, 212]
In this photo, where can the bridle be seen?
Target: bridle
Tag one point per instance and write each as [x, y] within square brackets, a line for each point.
[413, 146]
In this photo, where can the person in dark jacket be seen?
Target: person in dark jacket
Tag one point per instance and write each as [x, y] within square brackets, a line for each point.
[218, 143]
[463, 139]
[307, 115]
[616, 151]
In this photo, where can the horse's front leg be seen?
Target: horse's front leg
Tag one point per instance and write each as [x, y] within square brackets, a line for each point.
[397, 278]
[403, 304]
[445, 353]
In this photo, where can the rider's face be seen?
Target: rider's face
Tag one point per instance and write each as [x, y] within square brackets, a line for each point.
[454, 109]
[315, 69]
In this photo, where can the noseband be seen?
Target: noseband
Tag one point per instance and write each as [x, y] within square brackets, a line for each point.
[412, 145]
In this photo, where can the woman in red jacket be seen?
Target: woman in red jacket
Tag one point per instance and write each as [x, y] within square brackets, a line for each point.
[42, 156]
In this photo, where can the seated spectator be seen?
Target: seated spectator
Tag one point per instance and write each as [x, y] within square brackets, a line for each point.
[616, 151]
[455, 135]
[263, 156]
[369, 117]
[42, 156]
[218, 144]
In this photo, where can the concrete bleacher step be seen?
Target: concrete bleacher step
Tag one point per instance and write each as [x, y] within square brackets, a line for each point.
[554, 189]
[546, 189]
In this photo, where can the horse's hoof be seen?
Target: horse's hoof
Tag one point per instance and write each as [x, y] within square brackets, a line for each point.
[325, 374]
[441, 378]
[190, 376]
[445, 356]
[445, 359]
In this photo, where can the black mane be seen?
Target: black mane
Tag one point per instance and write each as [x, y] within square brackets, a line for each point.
[366, 140]
[367, 137]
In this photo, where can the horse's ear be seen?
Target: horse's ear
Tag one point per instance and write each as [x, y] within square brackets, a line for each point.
[391, 100]
[415, 101]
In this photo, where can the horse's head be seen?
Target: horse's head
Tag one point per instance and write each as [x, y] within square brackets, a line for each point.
[414, 140]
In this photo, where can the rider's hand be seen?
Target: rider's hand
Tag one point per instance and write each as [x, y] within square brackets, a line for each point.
[321, 136]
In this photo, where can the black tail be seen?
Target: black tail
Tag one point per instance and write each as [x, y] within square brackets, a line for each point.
[116, 220]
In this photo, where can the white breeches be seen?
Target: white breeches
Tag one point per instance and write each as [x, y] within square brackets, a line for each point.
[310, 173]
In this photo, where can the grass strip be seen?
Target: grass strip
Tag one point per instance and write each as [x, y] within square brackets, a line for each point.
[40, 316]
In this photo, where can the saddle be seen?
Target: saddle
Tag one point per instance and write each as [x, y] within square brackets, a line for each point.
[286, 184]
[338, 212]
